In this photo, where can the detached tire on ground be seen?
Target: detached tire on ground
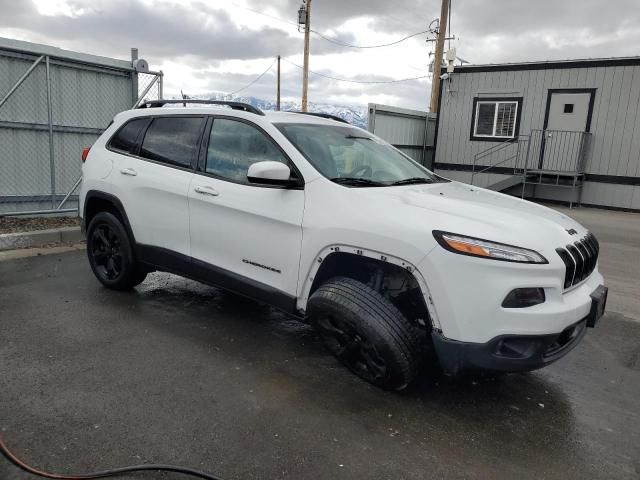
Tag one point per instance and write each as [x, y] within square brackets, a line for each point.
[366, 332]
[110, 253]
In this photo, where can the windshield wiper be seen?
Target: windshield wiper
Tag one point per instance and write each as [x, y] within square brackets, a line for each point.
[412, 180]
[355, 181]
[358, 137]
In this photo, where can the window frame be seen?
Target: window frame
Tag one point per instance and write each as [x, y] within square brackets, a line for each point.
[473, 136]
[143, 132]
[201, 168]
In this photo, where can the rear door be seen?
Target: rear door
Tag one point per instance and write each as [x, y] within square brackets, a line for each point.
[153, 184]
[243, 235]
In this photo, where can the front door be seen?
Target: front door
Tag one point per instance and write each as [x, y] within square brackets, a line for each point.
[244, 236]
[567, 119]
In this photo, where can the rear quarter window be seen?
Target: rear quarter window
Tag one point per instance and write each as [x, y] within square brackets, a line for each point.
[126, 137]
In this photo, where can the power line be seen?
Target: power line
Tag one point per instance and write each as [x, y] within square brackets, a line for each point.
[368, 82]
[323, 36]
[255, 80]
[264, 14]
[344, 44]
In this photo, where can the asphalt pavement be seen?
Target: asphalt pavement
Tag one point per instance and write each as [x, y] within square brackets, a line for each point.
[177, 372]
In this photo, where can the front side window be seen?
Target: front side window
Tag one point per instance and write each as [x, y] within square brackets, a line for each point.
[234, 146]
[353, 157]
[125, 139]
[172, 140]
[495, 119]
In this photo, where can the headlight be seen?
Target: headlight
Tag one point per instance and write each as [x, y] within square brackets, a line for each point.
[476, 247]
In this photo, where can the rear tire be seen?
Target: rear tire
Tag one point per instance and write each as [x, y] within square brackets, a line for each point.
[366, 332]
[111, 254]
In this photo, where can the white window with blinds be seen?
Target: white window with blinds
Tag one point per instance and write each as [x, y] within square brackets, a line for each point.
[495, 119]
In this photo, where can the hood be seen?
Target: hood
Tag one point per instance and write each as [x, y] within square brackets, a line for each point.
[468, 210]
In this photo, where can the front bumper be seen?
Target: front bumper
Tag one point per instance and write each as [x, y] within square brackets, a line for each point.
[507, 353]
[516, 353]
[466, 294]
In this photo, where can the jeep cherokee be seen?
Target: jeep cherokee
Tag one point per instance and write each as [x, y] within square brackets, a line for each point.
[393, 265]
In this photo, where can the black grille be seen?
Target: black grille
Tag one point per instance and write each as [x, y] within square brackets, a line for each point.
[580, 259]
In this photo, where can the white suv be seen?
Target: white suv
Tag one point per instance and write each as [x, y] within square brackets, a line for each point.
[391, 263]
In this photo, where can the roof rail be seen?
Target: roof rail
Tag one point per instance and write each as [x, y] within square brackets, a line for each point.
[234, 105]
[325, 115]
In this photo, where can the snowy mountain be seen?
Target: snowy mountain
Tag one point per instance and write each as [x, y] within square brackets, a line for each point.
[353, 114]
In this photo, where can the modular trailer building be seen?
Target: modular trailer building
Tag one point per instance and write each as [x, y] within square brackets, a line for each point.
[559, 130]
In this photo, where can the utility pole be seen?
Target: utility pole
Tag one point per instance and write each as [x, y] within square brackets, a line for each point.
[278, 94]
[305, 66]
[437, 59]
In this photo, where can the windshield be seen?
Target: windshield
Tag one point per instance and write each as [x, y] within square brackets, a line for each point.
[353, 157]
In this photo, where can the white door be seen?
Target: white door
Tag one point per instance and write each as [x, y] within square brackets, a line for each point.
[563, 138]
[248, 234]
[568, 111]
[153, 183]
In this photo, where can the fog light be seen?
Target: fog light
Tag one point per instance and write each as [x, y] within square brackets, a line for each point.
[524, 297]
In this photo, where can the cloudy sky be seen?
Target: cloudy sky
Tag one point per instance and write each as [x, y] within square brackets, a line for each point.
[222, 45]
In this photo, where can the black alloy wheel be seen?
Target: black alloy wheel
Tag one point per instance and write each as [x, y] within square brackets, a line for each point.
[366, 332]
[110, 253]
[351, 347]
[107, 252]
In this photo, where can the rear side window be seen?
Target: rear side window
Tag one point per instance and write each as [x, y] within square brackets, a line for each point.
[125, 139]
[172, 140]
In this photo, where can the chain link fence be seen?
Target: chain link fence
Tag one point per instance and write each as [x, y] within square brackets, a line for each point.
[50, 109]
[149, 87]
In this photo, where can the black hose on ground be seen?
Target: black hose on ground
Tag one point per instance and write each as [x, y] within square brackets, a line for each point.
[104, 473]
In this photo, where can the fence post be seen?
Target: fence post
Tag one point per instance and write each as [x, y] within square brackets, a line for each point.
[134, 75]
[52, 160]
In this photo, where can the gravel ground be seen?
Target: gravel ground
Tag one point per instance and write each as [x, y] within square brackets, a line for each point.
[21, 224]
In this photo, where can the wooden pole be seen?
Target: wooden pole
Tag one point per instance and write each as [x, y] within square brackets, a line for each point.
[437, 59]
[305, 67]
[278, 94]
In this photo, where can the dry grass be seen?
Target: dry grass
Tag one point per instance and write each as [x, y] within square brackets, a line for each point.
[21, 224]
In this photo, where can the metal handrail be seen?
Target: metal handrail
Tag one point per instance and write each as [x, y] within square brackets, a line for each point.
[573, 149]
[495, 149]
[496, 164]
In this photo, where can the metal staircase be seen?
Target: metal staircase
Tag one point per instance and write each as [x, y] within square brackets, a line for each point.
[555, 158]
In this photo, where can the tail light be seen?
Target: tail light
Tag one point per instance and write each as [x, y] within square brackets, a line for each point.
[85, 153]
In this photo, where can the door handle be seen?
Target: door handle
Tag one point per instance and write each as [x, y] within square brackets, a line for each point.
[129, 171]
[206, 191]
